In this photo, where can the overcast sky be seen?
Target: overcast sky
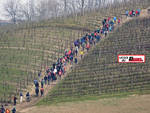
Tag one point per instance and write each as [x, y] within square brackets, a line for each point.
[1, 9]
[2, 13]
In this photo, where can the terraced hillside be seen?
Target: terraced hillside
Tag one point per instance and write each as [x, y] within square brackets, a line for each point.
[27, 48]
[26, 51]
[100, 74]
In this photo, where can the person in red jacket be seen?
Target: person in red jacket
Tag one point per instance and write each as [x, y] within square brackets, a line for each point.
[87, 46]
[130, 13]
[136, 12]
[42, 91]
[60, 73]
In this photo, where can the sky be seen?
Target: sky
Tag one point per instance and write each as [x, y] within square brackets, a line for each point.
[2, 12]
[1, 9]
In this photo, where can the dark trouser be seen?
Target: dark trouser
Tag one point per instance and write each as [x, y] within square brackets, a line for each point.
[48, 82]
[45, 82]
[41, 93]
[87, 49]
[15, 102]
[76, 53]
[41, 85]
[37, 94]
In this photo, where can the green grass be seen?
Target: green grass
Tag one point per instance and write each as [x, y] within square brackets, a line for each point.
[60, 101]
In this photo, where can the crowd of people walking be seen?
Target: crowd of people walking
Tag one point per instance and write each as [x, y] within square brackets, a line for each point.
[71, 56]
[133, 13]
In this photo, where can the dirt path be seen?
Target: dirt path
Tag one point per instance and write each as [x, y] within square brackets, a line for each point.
[47, 88]
[34, 99]
[27, 106]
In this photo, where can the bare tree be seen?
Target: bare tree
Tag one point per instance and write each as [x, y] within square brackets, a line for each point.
[48, 9]
[73, 7]
[65, 6]
[90, 5]
[53, 8]
[28, 10]
[26, 13]
[41, 10]
[81, 4]
[11, 7]
[32, 9]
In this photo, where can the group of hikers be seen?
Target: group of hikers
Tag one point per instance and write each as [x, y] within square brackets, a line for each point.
[58, 69]
[133, 13]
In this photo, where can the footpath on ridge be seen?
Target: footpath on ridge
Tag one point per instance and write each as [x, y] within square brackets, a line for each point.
[47, 88]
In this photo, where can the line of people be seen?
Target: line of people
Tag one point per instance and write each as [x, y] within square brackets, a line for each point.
[58, 69]
[133, 13]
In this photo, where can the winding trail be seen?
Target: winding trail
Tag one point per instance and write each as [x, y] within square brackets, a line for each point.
[25, 106]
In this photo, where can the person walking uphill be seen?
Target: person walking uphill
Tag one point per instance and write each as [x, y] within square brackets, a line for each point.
[127, 13]
[39, 74]
[28, 97]
[42, 91]
[36, 83]
[45, 79]
[15, 100]
[49, 78]
[87, 46]
[21, 97]
[42, 83]
[81, 53]
[37, 91]
[115, 19]
[75, 60]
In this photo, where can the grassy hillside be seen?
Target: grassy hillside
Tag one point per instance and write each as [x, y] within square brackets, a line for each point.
[29, 47]
[99, 73]
[24, 52]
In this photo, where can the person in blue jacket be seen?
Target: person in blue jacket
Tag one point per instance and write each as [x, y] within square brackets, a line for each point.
[76, 60]
[115, 19]
[139, 11]
[98, 38]
[127, 13]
